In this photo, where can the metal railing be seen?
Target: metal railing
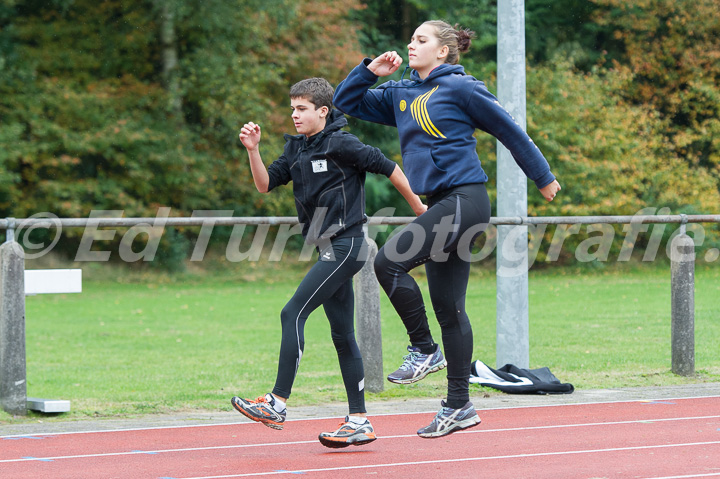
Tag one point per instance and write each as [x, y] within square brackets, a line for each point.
[11, 224]
[12, 309]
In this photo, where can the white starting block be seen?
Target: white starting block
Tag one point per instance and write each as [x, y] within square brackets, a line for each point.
[48, 405]
[51, 281]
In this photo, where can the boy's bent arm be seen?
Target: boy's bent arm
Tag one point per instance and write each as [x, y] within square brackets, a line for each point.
[250, 138]
[398, 179]
[259, 172]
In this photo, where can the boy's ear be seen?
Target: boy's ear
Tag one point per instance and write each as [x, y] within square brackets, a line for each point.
[324, 111]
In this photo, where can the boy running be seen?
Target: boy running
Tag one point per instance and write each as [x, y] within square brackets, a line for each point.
[327, 167]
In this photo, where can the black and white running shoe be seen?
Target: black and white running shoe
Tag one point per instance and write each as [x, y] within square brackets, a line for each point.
[417, 365]
[449, 420]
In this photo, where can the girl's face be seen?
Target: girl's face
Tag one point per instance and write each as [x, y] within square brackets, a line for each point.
[308, 119]
[425, 51]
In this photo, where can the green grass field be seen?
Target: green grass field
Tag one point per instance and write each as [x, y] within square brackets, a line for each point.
[138, 344]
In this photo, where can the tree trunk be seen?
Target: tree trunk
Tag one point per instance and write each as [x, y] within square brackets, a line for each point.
[170, 78]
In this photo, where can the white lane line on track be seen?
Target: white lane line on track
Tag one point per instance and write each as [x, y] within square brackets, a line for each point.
[156, 451]
[462, 459]
[403, 436]
[711, 474]
[241, 422]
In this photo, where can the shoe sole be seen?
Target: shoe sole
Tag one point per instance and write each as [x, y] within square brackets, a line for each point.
[466, 424]
[435, 369]
[334, 443]
[266, 422]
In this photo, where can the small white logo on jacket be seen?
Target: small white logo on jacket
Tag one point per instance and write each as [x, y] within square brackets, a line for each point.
[319, 166]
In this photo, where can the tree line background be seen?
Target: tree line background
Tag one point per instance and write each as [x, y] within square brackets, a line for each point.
[135, 104]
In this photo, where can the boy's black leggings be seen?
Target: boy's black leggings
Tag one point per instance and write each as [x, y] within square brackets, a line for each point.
[328, 283]
[440, 239]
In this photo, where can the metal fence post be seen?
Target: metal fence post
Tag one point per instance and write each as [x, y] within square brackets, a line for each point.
[512, 317]
[367, 320]
[13, 385]
[682, 270]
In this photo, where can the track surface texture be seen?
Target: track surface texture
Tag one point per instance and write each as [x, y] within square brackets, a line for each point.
[625, 433]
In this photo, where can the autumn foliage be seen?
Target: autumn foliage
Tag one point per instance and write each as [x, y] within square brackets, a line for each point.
[129, 106]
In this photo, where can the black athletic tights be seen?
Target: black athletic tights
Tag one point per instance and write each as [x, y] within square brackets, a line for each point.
[441, 239]
[328, 283]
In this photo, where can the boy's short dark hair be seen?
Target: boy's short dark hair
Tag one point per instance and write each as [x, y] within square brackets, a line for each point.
[315, 90]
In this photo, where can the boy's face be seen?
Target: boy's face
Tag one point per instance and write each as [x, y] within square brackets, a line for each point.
[308, 120]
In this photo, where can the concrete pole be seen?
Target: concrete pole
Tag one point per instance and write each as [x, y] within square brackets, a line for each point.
[367, 321]
[13, 385]
[682, 338]
[513, 339]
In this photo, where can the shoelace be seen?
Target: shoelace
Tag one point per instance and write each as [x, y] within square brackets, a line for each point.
[409, 359]
[341, 425]
[351, 425]
[444, 410]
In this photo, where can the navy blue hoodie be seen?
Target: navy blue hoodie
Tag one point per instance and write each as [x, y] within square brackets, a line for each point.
[436, 119]
[328, 175]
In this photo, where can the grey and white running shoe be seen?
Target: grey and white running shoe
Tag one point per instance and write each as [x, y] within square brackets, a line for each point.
[417, 365]
[449, 420]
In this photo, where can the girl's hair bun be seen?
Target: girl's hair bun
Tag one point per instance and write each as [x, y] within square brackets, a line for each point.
[464, 38]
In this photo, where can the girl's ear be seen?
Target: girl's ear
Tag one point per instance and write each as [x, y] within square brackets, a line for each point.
[443, 53]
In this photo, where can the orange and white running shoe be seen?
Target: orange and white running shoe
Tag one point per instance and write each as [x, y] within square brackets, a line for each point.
[349, 433]
[261, 410]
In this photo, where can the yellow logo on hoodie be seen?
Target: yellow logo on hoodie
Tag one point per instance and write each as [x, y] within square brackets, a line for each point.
[418, 108]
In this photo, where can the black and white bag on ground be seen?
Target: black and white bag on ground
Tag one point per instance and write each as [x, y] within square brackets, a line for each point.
[514, 380]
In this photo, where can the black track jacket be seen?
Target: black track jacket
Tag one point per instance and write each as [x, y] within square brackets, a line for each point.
[328, 175]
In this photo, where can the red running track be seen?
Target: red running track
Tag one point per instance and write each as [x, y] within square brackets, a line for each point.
[671, 438]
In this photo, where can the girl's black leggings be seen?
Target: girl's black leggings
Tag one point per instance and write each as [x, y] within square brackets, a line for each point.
[440, 239]
[327, 284]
